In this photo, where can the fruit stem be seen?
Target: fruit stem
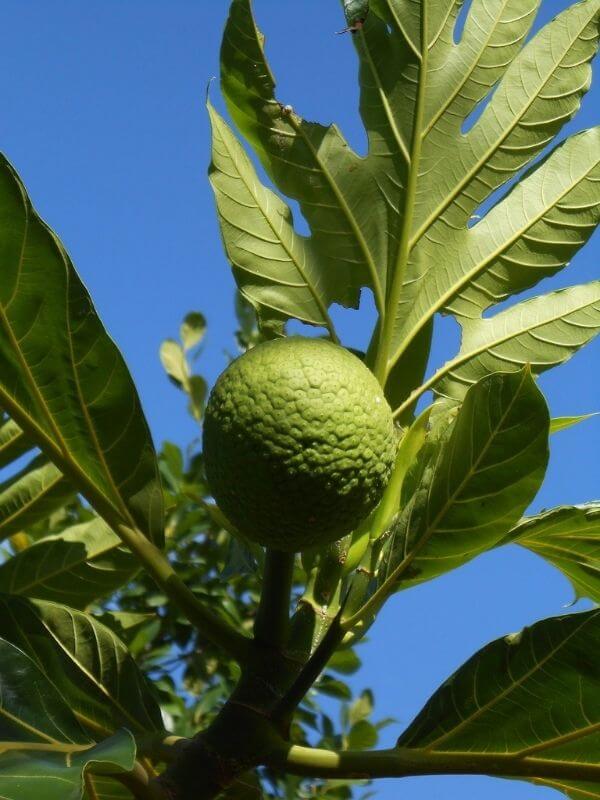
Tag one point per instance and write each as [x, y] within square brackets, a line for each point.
[273, 616]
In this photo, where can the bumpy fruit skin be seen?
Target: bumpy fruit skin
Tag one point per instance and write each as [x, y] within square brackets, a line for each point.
[299, 442]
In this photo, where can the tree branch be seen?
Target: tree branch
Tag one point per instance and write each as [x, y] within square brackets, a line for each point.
[273, 616]
[206, 621]
[151, 557]
[405, 762]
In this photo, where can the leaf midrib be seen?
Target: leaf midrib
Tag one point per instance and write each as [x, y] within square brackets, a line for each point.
[64, 454]
[384, 101]
[474, 63]
[343, 205]
[71, 656]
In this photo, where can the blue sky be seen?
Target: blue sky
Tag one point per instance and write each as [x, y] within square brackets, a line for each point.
[102, 115]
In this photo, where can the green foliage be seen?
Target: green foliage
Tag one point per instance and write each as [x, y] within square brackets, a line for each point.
[62, 378]
[31, 495]
[90, 667]
[543, 332]
[174, 358]
[42, 739]
[569, 538]
[548, 670]
[63, 777]
[133, 612]
[479, 478]
[79, 566]
[429, 258]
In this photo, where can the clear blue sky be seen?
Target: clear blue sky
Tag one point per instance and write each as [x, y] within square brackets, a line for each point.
[101, 112]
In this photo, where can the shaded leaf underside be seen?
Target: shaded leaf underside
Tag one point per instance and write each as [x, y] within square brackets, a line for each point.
[466, 490]
[399, 219]
[534, 696]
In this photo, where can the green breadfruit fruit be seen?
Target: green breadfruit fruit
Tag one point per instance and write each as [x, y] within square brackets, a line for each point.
[299, 442]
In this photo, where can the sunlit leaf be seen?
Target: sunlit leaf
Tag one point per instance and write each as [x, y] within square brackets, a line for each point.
[32, 495]
[276, 269]
[77, 567]
[536, 229]
[62, 380]
[309, 162]
[541, 332]
[400, 220]
[13, 442]
[569, 538]
[562, 423]
[174, 362]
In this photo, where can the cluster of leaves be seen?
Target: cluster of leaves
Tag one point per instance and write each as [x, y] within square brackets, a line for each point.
[463, 200]
[56, 550]
[98, 658]
[225, 571]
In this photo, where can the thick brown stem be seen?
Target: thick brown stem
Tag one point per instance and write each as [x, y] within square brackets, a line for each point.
[239, 739]
[199, 773]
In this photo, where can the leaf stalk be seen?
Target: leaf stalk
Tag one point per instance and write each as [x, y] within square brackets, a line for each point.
[398, 275]
[406, 762]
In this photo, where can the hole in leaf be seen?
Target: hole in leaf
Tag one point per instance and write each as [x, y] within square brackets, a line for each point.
[354, 326]
[445, 345]
[473, 117]
[314, 72]
[459, 25]
[294, 327]
[10, 470]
